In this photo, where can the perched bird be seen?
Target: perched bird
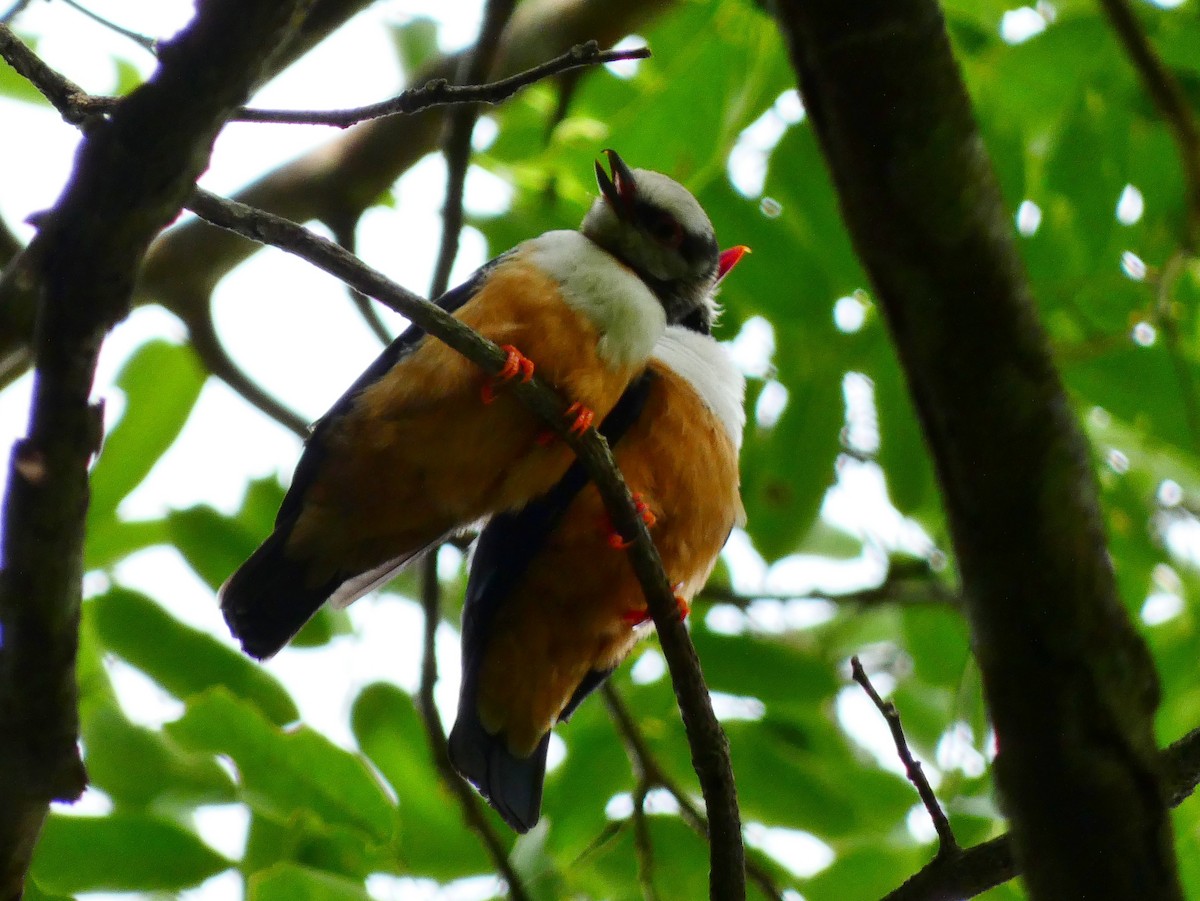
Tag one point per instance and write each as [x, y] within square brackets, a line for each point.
[553, 605]
[416, 449]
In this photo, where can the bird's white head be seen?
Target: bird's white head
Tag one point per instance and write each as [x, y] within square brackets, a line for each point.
[653, 225]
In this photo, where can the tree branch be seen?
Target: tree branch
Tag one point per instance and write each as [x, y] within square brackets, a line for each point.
[1070, 686]
[337, 180]
[947, 843]
[1162, 86]
[131, 175]
[456, 149]
[468, 801]
[345, 233]
[216, 359]
[648, 772]
[709, 747]
[435, 92]
[903, 586]
[972, 871]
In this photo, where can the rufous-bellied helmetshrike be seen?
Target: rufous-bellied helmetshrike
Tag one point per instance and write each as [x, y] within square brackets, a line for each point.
[553, 604]
[417, 449]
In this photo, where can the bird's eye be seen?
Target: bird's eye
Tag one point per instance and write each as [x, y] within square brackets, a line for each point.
[665, 229]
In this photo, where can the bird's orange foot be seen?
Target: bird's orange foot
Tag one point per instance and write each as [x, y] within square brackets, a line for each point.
[515, 363]
[615, 540]
[636, 617]
[578, 415]
[581, 417]
[681, 602]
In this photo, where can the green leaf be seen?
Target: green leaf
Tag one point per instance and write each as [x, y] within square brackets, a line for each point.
[213, 545]
[182, 660]
[864, 872]
[937, 638]
[161, 382]
[284, 773]
[288, 882]
[34, 892]
[416, 42]
[764, 667]
[18, 87]
[135, 765]
[431, 840]
[782, 499]
[121, 852]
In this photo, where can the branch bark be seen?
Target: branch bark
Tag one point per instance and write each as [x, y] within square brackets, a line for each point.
[1070, 686]
[337, 181]
[131, 176]
[968, 872]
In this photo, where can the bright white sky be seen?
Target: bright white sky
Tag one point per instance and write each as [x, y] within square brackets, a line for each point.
[226, 442]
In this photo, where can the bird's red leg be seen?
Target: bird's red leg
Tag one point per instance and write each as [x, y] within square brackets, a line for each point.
[514, 363]
[580, 417]
[637, 617]
[615, 540]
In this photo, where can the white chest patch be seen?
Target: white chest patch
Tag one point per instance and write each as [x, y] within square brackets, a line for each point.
[628, 315]
[704, 364]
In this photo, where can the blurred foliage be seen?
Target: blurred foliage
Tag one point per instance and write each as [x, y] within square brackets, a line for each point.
[1071, 134]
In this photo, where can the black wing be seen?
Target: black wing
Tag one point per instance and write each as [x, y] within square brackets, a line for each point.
[506, 548]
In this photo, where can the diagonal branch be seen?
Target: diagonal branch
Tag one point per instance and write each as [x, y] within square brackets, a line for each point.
[947, 843]
[212, 353]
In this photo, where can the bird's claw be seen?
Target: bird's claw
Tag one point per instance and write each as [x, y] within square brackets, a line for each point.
[636, 617]
[615, 540]
[581, 418]
[515, 363]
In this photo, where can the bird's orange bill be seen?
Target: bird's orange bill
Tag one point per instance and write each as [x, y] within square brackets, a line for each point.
[620, 190]
[729, 259]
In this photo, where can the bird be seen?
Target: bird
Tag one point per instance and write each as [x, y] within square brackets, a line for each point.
[423, 444]
[552, 603]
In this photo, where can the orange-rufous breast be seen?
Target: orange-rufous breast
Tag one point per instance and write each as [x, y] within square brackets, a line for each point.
[570, 613]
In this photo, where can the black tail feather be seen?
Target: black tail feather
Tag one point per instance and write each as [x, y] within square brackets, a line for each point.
[511, 784]
[268, 600]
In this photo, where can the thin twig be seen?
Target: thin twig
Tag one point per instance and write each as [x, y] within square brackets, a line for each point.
[1172, 103]
[13, 11]
[456, 149]
[892, 592]
[947, 843]
[642, 843]
[647, 770]
[344, 232]
[217, 360]
[71, 101]
[973, 871]
[472, 810]
[642, 766]
[438, 92]
[146, 43]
